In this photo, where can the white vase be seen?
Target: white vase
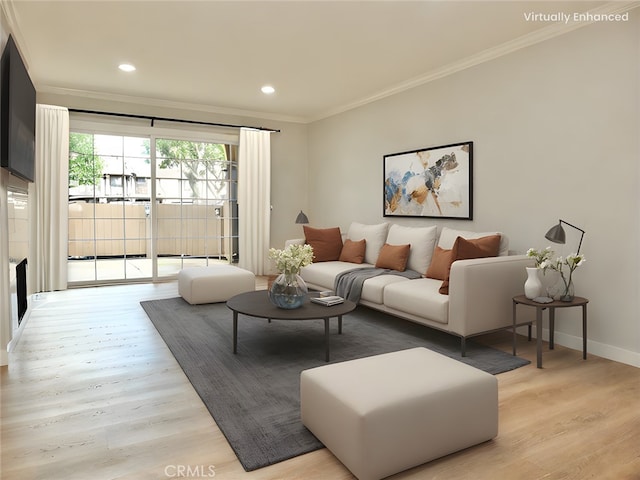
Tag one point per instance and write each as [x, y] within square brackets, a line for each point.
[533, 285]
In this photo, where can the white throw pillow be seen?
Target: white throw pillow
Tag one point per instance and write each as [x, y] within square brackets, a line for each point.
[374, 235]
[448, 238]
[422, 241]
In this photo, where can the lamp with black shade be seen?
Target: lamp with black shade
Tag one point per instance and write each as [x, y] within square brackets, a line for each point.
[556, 234]
[302, 218]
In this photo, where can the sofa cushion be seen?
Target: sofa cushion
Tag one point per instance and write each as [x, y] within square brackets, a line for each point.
[418, 297]
[375, 236]
[353, 251]
[326, 243]
[467, 249]
[394, 257]
[323, 274]
[422, 241]
[373, 288]
[448, 237]
[440, 264]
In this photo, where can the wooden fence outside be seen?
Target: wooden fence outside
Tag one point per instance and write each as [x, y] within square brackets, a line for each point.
[192, 230]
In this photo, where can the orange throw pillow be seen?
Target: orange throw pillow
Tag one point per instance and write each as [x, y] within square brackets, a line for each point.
[326, 243]
[353, 251]
[463, 249]
[394, 257]
[440, 264]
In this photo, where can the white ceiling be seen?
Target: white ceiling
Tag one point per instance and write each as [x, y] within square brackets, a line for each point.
[323, 57]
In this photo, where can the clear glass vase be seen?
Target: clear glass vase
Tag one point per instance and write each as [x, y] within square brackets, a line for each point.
[562, 290]
[288, 291]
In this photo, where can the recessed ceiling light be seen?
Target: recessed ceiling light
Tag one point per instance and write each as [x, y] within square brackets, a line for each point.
[268, 89]
[126, 67]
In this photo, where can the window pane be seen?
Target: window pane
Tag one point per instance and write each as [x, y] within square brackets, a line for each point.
[195, 175]
[108, 178]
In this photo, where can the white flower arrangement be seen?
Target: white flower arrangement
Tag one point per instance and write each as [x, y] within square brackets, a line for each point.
[292, 258]
[540, 256]
[572, 261]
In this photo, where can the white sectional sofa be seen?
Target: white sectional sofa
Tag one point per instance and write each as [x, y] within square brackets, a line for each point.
[480, 289]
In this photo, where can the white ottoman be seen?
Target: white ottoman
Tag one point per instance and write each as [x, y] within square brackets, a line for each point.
[217, 283]
[383, 414]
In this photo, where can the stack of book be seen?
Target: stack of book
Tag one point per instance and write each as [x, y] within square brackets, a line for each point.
[328, 301]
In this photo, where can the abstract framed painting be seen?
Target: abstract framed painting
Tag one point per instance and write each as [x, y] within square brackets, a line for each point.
[433, 182]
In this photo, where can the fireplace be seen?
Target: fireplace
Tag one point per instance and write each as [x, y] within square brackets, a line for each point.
[21, 288]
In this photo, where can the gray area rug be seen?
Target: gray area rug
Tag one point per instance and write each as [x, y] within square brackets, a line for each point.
[254, 396]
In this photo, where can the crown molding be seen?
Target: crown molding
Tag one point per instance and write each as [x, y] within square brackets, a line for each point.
[7, 10]
[9, 14]
[160, 103]
[519, 43]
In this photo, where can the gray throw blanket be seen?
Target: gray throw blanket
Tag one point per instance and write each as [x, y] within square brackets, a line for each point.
[349, 284]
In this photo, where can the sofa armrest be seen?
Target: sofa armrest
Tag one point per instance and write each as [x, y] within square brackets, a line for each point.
[481, 292]
[293, 241]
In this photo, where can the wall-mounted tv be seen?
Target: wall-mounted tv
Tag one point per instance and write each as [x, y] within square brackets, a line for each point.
[18, 116]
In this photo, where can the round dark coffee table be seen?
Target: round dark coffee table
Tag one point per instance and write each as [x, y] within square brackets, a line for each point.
[256, 304]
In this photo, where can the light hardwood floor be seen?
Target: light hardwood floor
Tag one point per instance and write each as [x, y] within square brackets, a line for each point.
[92, 392]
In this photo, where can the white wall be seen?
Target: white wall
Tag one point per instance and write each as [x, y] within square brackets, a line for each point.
[555, 129]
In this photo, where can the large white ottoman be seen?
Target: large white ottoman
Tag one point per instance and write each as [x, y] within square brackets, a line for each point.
[216, 283]
[383, 414]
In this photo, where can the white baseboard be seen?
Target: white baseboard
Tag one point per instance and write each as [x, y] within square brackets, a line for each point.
[603, 350]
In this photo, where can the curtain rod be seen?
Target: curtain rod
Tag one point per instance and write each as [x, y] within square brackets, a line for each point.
[153, 119]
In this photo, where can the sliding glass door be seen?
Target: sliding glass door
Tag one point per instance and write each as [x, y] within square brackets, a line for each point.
[195, 204]
[143, 208]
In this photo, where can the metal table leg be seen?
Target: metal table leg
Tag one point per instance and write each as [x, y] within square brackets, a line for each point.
[584, 331]
[552, 327]
[326, 338]
[514, 328]
[539, 337]
[235, 332]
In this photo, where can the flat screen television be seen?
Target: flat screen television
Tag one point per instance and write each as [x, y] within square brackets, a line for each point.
[18, 116]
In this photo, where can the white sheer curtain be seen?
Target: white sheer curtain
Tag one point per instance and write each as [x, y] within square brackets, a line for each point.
[254, 199]
[49, 201]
